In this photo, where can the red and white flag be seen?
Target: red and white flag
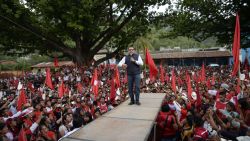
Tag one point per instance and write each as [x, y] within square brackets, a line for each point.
[189, 87]
[61, 90]
[203, 73]
[94, 83]
[173, 79]
[117, 77]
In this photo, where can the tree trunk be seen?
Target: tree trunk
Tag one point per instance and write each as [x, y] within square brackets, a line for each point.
[82, 58]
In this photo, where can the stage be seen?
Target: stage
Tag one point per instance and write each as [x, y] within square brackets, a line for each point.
[124, 123]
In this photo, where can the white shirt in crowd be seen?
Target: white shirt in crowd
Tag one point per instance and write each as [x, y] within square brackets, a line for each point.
[78, 78]
[63, 129]
[66, 78]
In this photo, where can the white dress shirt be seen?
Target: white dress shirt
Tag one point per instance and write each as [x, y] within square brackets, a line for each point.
[138, 62]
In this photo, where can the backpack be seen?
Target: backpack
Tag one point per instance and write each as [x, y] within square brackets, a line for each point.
[169, 122]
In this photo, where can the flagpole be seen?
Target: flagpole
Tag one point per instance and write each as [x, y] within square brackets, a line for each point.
[144, 58]
[239, 77]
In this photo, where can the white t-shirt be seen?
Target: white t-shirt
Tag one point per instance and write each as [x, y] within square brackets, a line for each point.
[78, 78]
[66, 78]
[63, 129]
[9, 135]
[208, 127]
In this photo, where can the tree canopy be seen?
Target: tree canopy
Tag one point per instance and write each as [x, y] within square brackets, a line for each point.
[76, 28]
[200, 19]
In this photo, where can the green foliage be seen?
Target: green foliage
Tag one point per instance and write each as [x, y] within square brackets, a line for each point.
[7, 67]
[200, 19]
[157, 38]
[78, 29]
[24, 63]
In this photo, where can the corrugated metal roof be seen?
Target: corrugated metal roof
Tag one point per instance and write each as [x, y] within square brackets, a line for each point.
[196, 54]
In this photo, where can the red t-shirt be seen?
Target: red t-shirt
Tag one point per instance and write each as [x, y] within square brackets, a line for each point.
[50, 134]
[200, 133]
[103, 107]
[165, 121]
[37, 114]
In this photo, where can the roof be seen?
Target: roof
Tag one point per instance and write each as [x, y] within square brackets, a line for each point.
[97, 57]
[194, 54]
[10, 62]
[51, 64]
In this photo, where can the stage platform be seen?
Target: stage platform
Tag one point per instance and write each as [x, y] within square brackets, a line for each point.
[124, 123]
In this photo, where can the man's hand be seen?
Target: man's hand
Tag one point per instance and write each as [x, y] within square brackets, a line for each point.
[124, 66]
[132, 59]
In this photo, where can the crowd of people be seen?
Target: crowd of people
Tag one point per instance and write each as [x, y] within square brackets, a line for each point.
[212, 108]
[194, 108]
[45, 115]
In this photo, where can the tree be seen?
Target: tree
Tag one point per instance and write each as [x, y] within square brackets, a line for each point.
[77, 28]
[159, 38]
[200, 19]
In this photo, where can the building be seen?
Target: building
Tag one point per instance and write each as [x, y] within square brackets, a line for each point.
[193, 58]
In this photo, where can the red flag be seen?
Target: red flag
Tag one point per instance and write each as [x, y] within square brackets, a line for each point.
[56, 62]
[112, 90]
[117, 77]
[79, 87]
[189, 87]
[94, 83]
[173, 81]
[203, 73]
[48, 81]
[162, 74]
[208, 84]
[236, 46]
[61, 90]
[31, 87]
[153, 71]
[179, 81]
[21, 100]
[22, 135]
[199, 99]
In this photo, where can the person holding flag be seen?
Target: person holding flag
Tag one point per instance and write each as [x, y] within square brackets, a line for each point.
[132, 63]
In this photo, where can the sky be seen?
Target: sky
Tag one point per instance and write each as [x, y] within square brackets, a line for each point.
[158, 9]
